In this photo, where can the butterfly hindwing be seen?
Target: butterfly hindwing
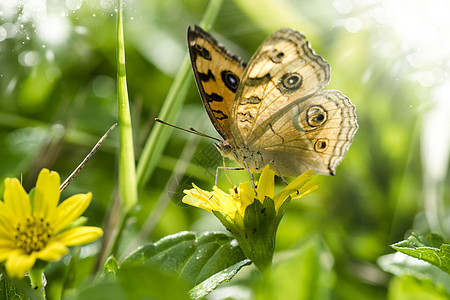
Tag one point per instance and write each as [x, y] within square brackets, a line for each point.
[311, 133]
[218, 74]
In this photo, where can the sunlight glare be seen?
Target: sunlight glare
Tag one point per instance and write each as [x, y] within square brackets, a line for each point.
[435, 140]
[422, 28]
[53, 30]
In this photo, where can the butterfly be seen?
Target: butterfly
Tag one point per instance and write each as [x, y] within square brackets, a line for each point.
[273, 111]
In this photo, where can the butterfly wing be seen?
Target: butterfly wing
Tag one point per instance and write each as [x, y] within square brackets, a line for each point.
[283, 69]
[218, 74]
[311, 133]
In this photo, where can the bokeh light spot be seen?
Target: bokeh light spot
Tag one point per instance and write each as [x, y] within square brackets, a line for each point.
[29, 58]
[74, 4]
[103, 86]
[353, 24]
[343, 6]
[3, 34]
[52, 74]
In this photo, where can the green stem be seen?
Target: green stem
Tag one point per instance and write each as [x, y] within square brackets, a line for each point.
[118, 235]
[266, 273]
[265, 268]
[38, 281]
[160, 134]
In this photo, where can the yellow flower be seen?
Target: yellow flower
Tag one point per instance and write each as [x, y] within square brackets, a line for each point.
[252, 217]
[238, 200]
[40, 229]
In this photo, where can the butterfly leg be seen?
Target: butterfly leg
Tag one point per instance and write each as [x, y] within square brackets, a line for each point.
[279, 173]
[251, 176]
[225, 169]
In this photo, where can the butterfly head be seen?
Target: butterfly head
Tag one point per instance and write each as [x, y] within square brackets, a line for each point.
[225, 148]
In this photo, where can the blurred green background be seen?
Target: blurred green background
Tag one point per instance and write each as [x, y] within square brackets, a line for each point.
[58, 96]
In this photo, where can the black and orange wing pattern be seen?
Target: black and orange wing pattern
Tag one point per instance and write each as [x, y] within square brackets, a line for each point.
[218, 74]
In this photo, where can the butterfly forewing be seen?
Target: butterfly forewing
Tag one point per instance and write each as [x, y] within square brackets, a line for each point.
[283, 70]
[218, 74]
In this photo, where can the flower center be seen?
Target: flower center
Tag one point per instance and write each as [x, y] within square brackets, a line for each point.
[33, 234]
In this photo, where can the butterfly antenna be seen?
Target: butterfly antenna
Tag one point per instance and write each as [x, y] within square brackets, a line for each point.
[191, 130]
[194, 130]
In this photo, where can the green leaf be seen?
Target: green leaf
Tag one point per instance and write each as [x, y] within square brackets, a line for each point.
[101, 290]
[430, 249]
[401, 264]
[193, 257]
[8, 290]
[111, 268]
[204, 288]
[16, 289]
[411, 288]
[135, 282]
[149, 282]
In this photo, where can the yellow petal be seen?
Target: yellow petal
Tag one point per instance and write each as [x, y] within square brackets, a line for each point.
[246, 193]
[18, 263]
[46, 193]
[5, 253]
[292, 187]
[266, 184]
[52, 252]
[7, 220]
[79, 235]
[224, 202]
[198, 197]
[16, 200]
[6, 242]
[70, 209]
[306, 189]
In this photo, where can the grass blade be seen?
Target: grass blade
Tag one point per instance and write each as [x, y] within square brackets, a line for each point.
[127, 168]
